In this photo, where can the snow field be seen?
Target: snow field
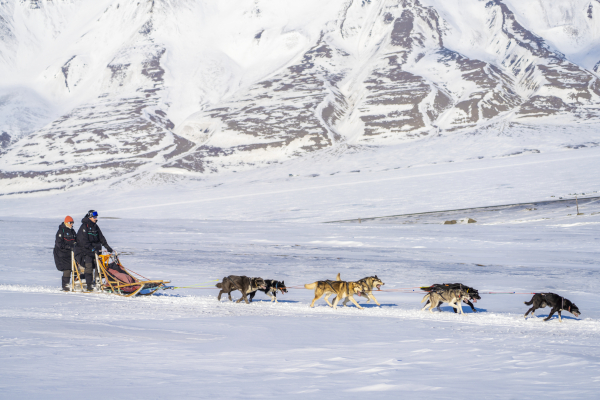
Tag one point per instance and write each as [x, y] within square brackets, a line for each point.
[398, 180]
[186, 344]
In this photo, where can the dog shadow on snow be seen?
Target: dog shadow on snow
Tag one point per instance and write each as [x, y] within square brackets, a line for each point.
[279, 301]
[362, 305]
[374, 305]
[466, 310]
[554, 317]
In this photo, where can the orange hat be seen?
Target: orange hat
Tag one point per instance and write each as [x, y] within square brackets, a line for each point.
[68, 219]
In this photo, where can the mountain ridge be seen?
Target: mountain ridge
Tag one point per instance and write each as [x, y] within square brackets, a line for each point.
[190, 87]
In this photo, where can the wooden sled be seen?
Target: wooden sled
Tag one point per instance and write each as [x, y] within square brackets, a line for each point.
[112, 277]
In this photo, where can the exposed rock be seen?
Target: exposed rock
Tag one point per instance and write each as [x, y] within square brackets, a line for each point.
[376, 73]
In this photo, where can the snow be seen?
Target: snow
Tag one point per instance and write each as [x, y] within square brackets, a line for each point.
[266, 213]
[184, 343]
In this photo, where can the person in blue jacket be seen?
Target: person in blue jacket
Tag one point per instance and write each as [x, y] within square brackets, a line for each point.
[64, 244]
[89, 243]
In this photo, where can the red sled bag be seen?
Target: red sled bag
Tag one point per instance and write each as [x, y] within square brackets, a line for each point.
[117, 274]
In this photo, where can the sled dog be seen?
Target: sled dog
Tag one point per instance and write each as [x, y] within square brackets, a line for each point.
[454, 297]
[242, 283]
[271, 288]
[340, 288]
[558, 303]
[368, 284]
[436, 287]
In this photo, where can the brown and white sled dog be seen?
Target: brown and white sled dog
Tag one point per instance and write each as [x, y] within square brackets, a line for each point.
[242, 283]
[368, 284]
[454, 297]
[341, 290]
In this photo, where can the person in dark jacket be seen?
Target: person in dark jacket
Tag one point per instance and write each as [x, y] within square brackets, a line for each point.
[89, 243]
[64, 244]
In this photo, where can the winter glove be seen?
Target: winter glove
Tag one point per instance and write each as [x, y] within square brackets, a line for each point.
[109, 249]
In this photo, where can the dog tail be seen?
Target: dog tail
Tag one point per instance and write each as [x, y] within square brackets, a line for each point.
[528, 303]
[338, 278]
[219, 285]
[310, 285]
[425, 298]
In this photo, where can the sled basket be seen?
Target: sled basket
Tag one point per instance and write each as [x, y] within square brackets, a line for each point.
[116, 279]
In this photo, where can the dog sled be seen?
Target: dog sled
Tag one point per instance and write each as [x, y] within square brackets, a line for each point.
[110, 276]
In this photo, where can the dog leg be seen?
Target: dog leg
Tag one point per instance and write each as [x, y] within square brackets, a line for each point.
[355, 303]
[370, 296]
[219, 296]
[453, 306]
[335, 302]
[531, 310]
[459, 306]
[425, 306]
[315, 299]
[456, 307]
[428, 298]
[327, 299]
[229, 294]
[432, 306]
[550, 315]
[471, 305]
[243, 298]
[559, 316]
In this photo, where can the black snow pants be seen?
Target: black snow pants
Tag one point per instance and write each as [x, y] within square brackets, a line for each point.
[66, 278]
[89, 274]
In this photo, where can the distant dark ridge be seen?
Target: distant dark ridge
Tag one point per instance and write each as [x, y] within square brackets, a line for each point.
[533, 203]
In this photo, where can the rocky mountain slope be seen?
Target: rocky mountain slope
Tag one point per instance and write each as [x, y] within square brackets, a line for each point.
[109, 89]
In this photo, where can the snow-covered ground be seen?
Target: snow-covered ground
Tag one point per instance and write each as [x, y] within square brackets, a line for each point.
[218, 139]
[185, 344]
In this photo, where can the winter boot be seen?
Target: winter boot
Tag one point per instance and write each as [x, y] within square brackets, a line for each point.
[65, 284]
[89, 281]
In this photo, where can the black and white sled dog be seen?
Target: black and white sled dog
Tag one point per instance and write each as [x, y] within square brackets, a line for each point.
[271, 288]
[473, 294]
[558, 303]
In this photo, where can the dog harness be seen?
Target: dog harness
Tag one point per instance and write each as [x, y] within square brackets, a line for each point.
[329, 282]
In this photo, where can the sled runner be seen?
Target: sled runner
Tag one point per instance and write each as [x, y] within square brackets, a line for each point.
[112, 277]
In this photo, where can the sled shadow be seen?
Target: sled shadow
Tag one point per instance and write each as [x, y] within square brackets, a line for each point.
[165, 295]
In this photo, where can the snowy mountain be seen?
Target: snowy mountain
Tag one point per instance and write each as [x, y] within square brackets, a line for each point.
[107, 89]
